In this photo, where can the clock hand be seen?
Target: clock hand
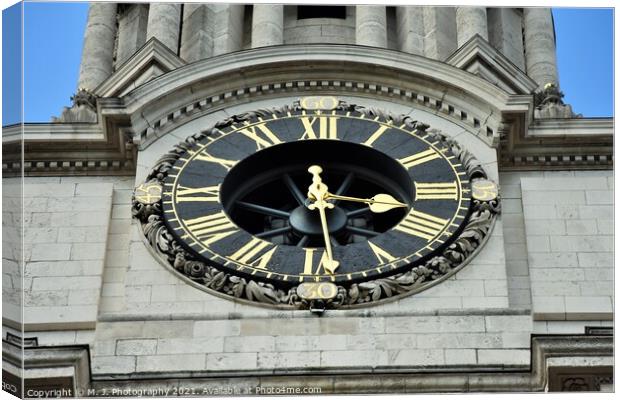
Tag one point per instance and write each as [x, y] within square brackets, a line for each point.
[378, 203]
[317, 192]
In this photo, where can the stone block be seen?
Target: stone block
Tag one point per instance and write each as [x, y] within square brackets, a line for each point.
[217, 328]
[539, 244]
[83, 297]
[497, 287]
[135, 347]
[416, 357]
[600, 197]
[596, 212]
[168, 329]
[461, 340]
[605, 226]
[481, 271]
[45, 298]
[78, 219]
[508, 323]
[103, 348]
[332, 342]
[545, 227]
[176, 363]
[191, 345]
[581, 227]
[537, 211]
[481, 302]
[118, 329]
[163, 293]
[118, 241]
[45, 189]
[597, 288]
[554, 197]
[231, 361]
[555, 183]
[515, 340]
[460, 356]
[94, 189]
[40, 235]
[549, 307]
[66, 282]
[138, 294]
[582, 243]
[553, 260]
[516, 251]
[588, 307]
[503, 357]
[88, 251]
[272, 360]
[595, 260]
[113, 365]
[50, 252]
[557, 274]
[554, 288]
[256, 344]
[296, 343]
[350, 358]
[117, 258]
[599, 274]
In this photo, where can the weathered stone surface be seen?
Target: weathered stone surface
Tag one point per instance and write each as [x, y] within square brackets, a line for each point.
[267, 25]
[410, 29]
[470, 21]
[163, 24]
[98, 48]
[370, 26]
[539, 41]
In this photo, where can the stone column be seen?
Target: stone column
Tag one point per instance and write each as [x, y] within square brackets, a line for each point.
[469, 22]
[98, 50]
[410, 29]
[164, 22]
[197, 35]
[371, 26]
[267, 25]
[540, 57]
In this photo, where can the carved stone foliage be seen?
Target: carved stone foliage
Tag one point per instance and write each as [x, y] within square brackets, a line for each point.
[456, 255]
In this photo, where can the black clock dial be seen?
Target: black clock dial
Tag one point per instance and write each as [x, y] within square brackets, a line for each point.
[239, 200]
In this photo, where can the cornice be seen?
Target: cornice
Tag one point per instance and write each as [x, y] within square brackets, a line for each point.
[479, 57]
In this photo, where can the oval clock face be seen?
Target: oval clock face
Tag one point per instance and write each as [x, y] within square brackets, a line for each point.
[314, 196]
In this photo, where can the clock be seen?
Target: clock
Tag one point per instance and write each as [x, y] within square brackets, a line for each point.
[311, 202]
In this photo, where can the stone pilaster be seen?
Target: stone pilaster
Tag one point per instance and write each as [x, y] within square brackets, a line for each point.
[197, 35]
[410, 29]
[131, 31]
[267, 25]
[505, 33]
[540, 57]
[98, 51]
[228, 30]
[439, 32]
[470, 21]
[163, 24]
[370, 26]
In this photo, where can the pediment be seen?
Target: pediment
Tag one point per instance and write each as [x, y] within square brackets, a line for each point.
[480, 58]
[152, 60]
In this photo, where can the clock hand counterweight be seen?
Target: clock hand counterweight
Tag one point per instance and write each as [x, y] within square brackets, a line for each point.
[317, 192]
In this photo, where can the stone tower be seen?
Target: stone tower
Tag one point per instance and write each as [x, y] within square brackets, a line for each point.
[517, 297]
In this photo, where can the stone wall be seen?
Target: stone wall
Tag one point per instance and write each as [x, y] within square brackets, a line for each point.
[318, 30]
[66, 237]
[12, 268]
[558, 230]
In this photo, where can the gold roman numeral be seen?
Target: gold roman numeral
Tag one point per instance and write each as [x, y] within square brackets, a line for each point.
[309, 268]
[328, 127]
[436, 191]
[250, 253]
[211, 228]
[422, 225]
[204, 156]
[254, 132]
[419, 158]
[184, 193]
[383, 256]
[376, 135]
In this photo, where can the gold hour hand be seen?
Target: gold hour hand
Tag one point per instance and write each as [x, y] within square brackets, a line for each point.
[379, 203]
[317, 192]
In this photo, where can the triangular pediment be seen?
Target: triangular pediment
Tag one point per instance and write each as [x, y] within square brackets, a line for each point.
[152, 60]
[480, 58]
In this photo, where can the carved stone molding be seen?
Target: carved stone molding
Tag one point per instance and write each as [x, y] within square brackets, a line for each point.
[455, 256]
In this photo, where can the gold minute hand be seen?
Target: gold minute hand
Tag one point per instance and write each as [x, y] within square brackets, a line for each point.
[317, 192]
[378, 203]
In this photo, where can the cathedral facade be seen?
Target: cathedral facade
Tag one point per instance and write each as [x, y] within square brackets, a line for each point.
[283, 199]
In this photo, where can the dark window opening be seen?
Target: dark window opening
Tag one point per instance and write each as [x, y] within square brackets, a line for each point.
[305, 12]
